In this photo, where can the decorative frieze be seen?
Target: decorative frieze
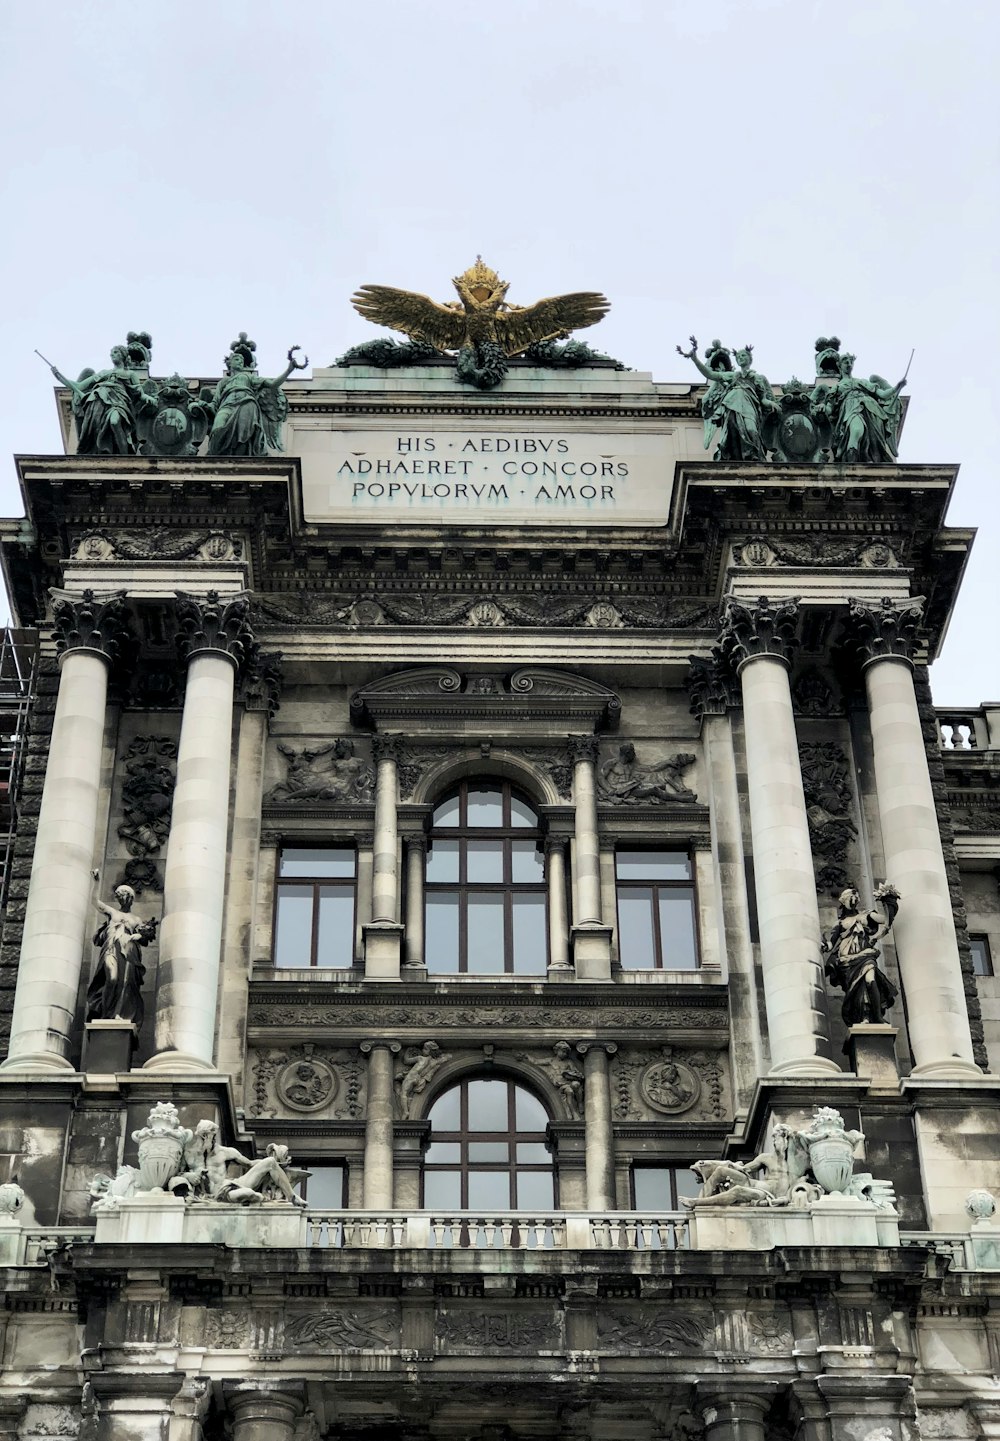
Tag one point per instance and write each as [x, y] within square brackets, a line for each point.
[625, 781]
[157, 543]
[668, 1082]
[329, 772]
[814, 551]
[419, 1017]
[494, 1329]
[344, 1328]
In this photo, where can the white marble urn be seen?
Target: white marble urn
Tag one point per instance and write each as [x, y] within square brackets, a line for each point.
[832, 1161]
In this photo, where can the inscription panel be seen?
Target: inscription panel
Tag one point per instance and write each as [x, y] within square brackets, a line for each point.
[490, 473]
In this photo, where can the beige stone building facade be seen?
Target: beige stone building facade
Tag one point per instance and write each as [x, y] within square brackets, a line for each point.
[493, 766]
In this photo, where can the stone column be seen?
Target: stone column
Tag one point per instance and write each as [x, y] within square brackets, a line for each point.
[733, 1412]
[924, 929]
[599, 1142]
[416, 854]
[60, 906]
[383, 935]
[379, 1125]
[591, 938]
[555, 876]
[757, 641]
[214, 635]
[134, 1406]
[263, 1411]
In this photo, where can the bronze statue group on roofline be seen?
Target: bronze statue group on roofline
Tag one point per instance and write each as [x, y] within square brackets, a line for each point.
[121, 410]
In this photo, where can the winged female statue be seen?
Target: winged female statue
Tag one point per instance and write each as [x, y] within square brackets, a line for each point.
[481, 326]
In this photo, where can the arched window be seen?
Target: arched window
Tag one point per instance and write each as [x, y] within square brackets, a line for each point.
[485, 884]
[487, 1150]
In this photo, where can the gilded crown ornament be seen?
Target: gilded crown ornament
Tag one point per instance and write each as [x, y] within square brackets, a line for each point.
[481, 326]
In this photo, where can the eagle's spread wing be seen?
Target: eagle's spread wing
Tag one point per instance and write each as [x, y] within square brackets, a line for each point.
[417, 316]
[549, 319]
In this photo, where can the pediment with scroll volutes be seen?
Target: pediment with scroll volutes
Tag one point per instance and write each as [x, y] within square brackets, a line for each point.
[527, 700]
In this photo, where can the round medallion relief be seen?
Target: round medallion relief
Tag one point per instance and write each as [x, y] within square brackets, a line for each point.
[306, 1085]
[669, 1086]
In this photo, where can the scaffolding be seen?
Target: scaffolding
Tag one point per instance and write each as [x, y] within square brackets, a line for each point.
[18, 670]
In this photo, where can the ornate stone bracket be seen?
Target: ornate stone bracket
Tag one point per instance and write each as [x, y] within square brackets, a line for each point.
[87, 621]
[214, 623]
[759, 628]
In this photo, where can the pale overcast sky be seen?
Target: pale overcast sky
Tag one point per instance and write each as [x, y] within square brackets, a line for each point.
[762, 170]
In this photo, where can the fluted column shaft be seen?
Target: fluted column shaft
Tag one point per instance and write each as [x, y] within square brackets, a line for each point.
[924, 929]
[758, 640]
[197, 849]
[58, 912]
[599, 1145]
[377, 1191]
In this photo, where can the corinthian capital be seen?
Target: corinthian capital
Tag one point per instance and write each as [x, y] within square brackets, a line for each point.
[387, 748]
[710, 684]
[890, 630]
[212, 622]
[584, 748]
[758, 628]
[87, 622]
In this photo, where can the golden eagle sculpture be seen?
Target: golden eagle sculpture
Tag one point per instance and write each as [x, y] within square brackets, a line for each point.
[481, 326]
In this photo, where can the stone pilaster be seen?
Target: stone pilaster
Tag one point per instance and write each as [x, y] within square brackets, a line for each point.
[555, 877]
[59, 908]
[213, 635]
[383, 935]
[757, 640]
[924, 930]
[591, 938]
[377, 1192]
[599, 1134]
[263, 1411]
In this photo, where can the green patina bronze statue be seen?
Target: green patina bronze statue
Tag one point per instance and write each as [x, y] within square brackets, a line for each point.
[174, 420]
[249, 409]
[739, 405]
[107, 404]
[865, 415]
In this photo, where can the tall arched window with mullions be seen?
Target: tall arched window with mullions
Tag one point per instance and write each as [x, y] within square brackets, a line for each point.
[487, 1149]
[485, 884]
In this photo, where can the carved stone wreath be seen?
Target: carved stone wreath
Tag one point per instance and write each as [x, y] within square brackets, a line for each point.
[306, 1085]
[669, 1086]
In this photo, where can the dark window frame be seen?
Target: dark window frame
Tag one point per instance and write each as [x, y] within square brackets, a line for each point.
[671, 1168]
[286, 883]
[330, 1163]
[688, 884]
[463, 889]
[466, 1135]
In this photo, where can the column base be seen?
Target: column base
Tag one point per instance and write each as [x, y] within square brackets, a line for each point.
[951, 1070]
[36, 1062]
[810, 1066]
[563, 972]
[590, 943]
[871, 1050]
[176, 1062]
[108, 1047]
[383, 942]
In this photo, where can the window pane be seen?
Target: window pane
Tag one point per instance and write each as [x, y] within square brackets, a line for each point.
[489, 1151]
[529, 932]
[533, 1153]
[686, 1183]
[293, 926]
[653, 865]
[651, 1186]
[489, 1191]
[446, 814]
[535, 1190]
[529, 1113]
[441, 927]
[484, 860]
[485, 934]
[526, 862]
[335, 941]
[635, 928]
[488, 1105]
[521, 814]
[442, 1190]
[444, 1153]
[318, 861]
[484, 807]
[444, 1114]
[442, 861]
[325, 1185]
[677, 930]
[982, 961]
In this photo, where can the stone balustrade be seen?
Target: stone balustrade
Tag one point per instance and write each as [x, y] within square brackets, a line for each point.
[969, 729]
[510, 1231]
